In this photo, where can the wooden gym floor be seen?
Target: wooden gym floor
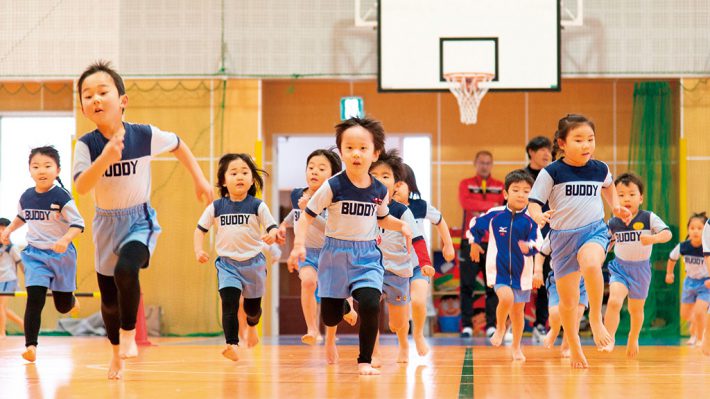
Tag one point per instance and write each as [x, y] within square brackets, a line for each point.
[69, 367]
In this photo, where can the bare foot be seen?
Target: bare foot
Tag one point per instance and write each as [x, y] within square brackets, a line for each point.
[518, 355]
[309, 339]
[497, 337]
[252, 336]
[115, 367]
[422, 346]
[367, 369]
[128, 347]
[565, 353]
[403, 354]
[608, 348]
[331, 353]
[376, 362]
[706, 347]
[30, 353]
[577, 359]
[351, 317]
[230, 352]
[549, 340]
[74, 312]
[632, 349]
[602, 337]
[691, 340]
[319, 339]
[3, 336]
[699, 342]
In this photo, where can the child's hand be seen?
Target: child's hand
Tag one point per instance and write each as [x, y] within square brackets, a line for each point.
[538, 281]
[429, 271]
[476, 251]
[298, 254]
[524, 247]
[647, 239]
[670, 277]
[113, 150]
[271, 236]
[5, 237]
[204, 191]
[303, 201]
[448, 252]
[407, 233]
[202, 256]
[281, 235]
[622, 213]
[544, 218]
[60, 246]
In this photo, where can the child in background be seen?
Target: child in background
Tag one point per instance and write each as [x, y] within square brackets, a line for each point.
[350, 263]
[241, 266]
[706, 253]
[513, 241]
[10, 260]
[50, 257]
[631, 269]
[398, 261]
[695, 296]
[574, 187]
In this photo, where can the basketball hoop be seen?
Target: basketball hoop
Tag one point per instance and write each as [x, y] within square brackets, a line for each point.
[469, 92]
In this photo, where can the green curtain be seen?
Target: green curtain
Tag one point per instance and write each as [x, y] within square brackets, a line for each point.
[653, 155]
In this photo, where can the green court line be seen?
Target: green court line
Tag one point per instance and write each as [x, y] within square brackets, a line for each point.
[466, 384]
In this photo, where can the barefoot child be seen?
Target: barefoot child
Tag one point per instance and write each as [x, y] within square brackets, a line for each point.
[407, 193]
[10, 260]
[50, 257]
[513, 241]
[706, 253]
[574, 187]
[350, 263]
[695, 296]
[320, 166]
[239, 218]
[398, 261]
[631, 269]
[113, 162]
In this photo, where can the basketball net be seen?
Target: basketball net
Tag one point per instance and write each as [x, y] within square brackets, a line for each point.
[469, 92]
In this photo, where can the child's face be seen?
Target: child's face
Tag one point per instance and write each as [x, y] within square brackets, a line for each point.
[238, 178]
[44, 171]
[100, 101]
[318, 171]
[358, 150]
[695, 229]
[540, 158]
[383, 173]
[579, 144]
[517, 195]
[401, 192]
[629, 196]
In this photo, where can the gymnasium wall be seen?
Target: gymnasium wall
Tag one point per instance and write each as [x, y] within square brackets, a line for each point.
[696, 120]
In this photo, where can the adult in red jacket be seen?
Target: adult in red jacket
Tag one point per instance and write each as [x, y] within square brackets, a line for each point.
[477, 195]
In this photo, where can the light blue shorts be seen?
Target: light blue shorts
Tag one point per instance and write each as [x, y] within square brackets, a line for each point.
[248, 276]
[519, 296]
[46, 268]
[694, 289]
[312, 255]
[396, 289]
[565, 245]
[114, 228]
[635, 276]
[345, 266]
[8, 286]
[553, 298]
[418, 275]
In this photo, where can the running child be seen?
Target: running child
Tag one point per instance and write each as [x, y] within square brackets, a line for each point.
[407, 193]
[10, 260]
[113, 162]
[706, 253]
[53, 221]
[241, 266]
[350, 263]
[399, 262]
[514, 238]
[631, 269]
[574, 187]
[695, 296]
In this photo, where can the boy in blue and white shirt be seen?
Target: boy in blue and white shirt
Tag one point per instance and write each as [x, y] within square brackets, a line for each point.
[514, 238]
[631, 269]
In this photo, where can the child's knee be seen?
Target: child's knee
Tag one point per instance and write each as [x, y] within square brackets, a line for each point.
[309, 284]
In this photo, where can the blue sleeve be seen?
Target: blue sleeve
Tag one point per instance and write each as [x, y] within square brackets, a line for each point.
[480, 227]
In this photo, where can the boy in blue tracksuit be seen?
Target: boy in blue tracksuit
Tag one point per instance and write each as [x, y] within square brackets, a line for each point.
[514, 238]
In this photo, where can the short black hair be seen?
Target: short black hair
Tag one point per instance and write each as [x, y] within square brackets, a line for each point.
[411, 181]
[537, 143]
[564, 126]
[256, 173]
[48, 151]
[102, 66]
[392, 159]
[335, 164]
[629, 178]
[371, 125]
[4, 222]
[517, 176]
